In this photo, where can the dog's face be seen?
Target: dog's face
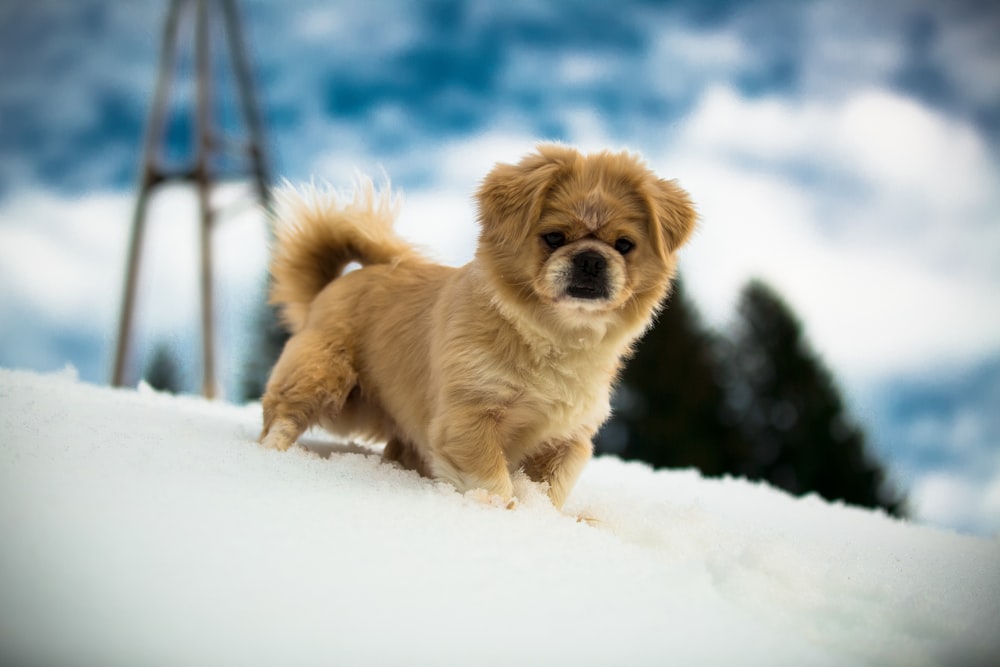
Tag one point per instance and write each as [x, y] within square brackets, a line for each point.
[589, 236]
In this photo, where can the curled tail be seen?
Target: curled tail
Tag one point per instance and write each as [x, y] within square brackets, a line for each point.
[319, 232]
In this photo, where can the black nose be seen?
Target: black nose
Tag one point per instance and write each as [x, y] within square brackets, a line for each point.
[589, 264]
[589, 279]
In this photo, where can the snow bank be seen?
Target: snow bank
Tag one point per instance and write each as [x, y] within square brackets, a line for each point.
[139, 528]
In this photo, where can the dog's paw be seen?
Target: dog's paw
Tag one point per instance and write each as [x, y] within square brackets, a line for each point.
[492, 499]
[280, 436]
[276, 440]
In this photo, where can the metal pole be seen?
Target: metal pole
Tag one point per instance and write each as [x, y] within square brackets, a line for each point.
[202, 175]
[149, 178]
[248, 105]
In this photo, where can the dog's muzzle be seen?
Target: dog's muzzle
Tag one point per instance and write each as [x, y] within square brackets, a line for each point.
[589, 277]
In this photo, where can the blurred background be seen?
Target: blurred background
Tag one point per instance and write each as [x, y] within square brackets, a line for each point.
[837, 325]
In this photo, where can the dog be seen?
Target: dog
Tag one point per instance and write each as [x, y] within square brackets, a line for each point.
[471, 374]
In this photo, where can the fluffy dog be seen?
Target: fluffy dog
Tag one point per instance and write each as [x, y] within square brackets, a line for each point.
[470, 374]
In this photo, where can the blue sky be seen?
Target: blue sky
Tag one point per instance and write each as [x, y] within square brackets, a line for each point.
[846, 152]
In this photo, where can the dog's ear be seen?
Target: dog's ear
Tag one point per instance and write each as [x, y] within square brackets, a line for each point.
[512, 196]
[673, 215]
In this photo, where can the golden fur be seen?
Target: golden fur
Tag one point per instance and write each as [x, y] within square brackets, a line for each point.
[469, 374]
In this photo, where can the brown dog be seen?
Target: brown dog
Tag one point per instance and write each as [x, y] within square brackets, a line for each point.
[469, 374]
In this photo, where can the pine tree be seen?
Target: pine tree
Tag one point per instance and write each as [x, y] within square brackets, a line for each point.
[162, 373]
[758, 404]
[791, 411]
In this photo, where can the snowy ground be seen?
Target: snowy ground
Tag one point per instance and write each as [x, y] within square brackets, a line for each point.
[138, 528]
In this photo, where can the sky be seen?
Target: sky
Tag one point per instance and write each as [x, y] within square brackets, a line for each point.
[844, 152]
[142, 528]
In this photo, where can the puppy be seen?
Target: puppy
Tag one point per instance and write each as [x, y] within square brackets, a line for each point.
[470, 374]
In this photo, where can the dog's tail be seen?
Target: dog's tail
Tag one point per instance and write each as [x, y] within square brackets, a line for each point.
[318, 232]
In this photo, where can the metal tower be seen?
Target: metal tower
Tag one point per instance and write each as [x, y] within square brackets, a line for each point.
[206, 167]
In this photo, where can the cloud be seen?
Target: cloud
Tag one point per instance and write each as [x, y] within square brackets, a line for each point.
[76, 77]
[876, 137]
[872, 214]
[951, 499]
[875, 216]
[940, 431]
[50, 247]
[899, 144]
[62, 265]
[444, 70]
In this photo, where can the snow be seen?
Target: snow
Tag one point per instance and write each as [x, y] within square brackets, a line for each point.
[143, 528]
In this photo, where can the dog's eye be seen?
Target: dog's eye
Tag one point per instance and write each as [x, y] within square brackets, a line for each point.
[554, 239]
[624, 246]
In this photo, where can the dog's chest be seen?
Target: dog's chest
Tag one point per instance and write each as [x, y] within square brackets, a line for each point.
[563, 396]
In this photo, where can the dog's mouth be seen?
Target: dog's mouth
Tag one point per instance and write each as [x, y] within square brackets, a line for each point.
[587, 291]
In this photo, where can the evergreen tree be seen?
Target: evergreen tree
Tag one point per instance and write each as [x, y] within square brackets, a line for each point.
[759, 404]
[791, 412]
[161, 373]
[669, 408]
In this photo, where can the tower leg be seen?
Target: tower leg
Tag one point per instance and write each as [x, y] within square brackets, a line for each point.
[202, 175]
[149, 179]
[131, 280]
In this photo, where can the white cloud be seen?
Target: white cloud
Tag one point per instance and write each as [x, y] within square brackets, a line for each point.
[320, 24]
[963, 491]
[680, 60]
[62, 260]
[724, 122]
[956, 500]
[900, 145]
[443, 224]
[876, 217]
[59, 255]
[870, 310]
[355, 28]
[462, 164]
[892, 144]
[850, 44]
[583, 69]
[888, 255]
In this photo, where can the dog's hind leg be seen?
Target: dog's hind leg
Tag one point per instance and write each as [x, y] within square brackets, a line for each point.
[312, 378]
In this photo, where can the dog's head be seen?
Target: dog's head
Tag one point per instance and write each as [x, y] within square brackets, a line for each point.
[588, 235]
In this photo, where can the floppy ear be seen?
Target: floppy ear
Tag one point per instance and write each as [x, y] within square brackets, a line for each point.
[673, 214]
[512, 195]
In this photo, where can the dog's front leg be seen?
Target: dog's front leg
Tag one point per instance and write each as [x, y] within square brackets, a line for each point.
[468, 451]
[559, 464]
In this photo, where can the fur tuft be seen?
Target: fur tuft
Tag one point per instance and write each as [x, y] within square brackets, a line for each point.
[319, 231]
